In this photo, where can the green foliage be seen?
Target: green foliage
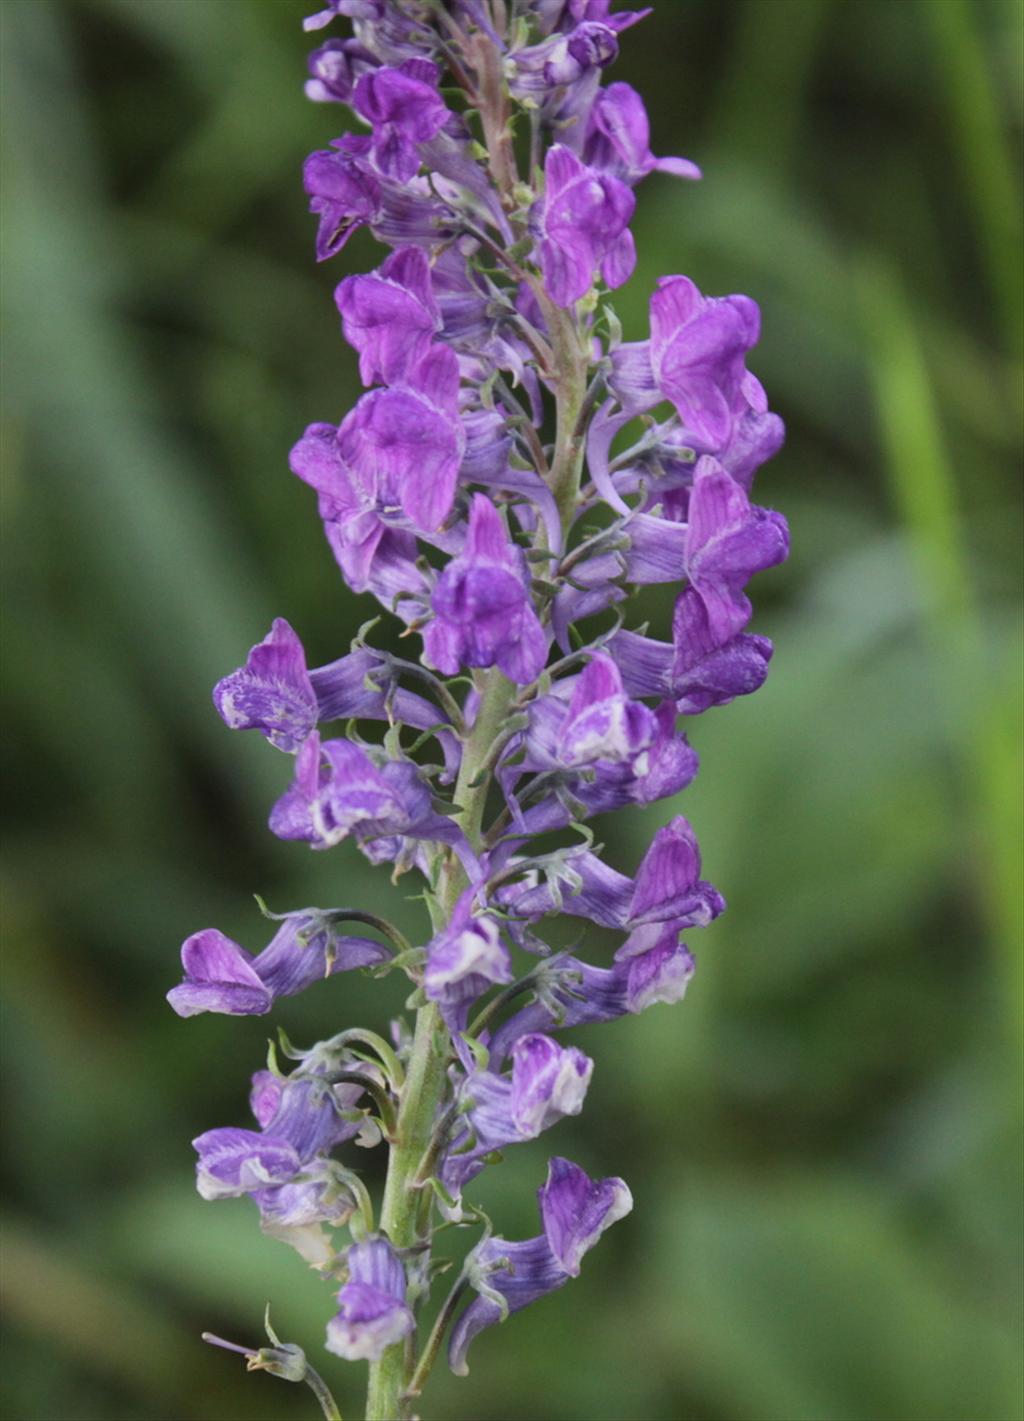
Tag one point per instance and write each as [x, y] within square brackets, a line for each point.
[824, 1139]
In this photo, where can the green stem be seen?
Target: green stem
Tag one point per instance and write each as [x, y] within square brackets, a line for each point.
[570, 362]
[404, 1217]
[426, 1080]
[321, 1391]
[434, 1341]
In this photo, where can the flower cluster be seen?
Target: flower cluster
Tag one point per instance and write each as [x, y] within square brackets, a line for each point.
[512, 475]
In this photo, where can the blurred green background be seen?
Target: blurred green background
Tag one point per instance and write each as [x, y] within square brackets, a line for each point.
[823, 1140]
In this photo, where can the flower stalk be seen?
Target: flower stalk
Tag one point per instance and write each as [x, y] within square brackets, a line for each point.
[497, 382]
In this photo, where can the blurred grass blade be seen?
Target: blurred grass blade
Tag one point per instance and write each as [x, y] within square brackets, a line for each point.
[977, 694]
[971, 90]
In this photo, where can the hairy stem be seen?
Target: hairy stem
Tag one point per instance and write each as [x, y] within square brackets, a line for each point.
[570, 362]
[403, 1217]
[426, 1080]
[322, 1392]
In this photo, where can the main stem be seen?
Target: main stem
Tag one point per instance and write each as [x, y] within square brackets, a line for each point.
[425, 1081]
[401, 1215]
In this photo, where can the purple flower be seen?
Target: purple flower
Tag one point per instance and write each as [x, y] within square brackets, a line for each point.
[698, 346]
[667, 888]
[272, 692]
[466, 958]
[562, 59]
[335, 68]
[727, 541]
[304, 1111]
[222, 977]
[602, 723]
[668, 876]
[295, 1212]
[397, 453]
[437, 492]
[483, 612]
[696, 670]
[580, 994]
[618, 137]
[299, 1119]
[667, 766]
[355, 9]
[547, 1082]
[404, 109]
[705, 671]
[386, 28]
[372, 1312]
[275, 694]
[233, 1162]
[575, 1211]
[609, 749]
[344, 194]
[338, 790]
[390, 316]
[582, 223]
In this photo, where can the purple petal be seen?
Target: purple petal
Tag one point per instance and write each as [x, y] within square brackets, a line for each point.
[577, 1209]
[549, 1081]
[372, 1311]
[233, 1162]
[272, 692]
[220, 977]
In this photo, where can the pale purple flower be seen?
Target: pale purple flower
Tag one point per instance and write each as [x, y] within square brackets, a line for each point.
[575, 1211]
[562, 59]
[385, 28]
[467, 957]
[580, 994]
[339, 790]
[305, 1111]
[295, 1213]
[547, 1082]
[667, 888]
[233, 1162]
[222, 977]
[335, 69]
[372, 1311]
[602, 723]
